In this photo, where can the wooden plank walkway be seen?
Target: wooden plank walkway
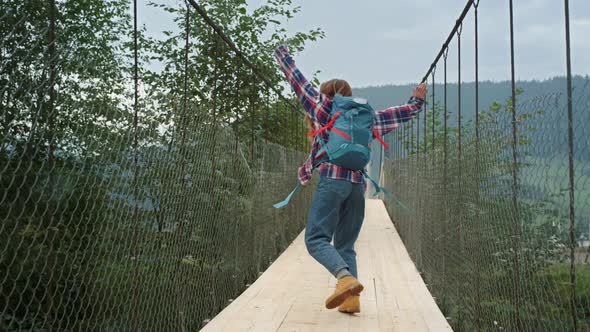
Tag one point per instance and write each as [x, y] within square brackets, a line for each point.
[290, 295]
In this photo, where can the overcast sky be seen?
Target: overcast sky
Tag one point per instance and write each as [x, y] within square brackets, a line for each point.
[376, 42]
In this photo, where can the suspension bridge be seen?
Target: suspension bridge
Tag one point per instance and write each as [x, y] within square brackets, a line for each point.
[138, 173]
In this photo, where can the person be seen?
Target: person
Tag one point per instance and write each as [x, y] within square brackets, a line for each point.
[338, 206]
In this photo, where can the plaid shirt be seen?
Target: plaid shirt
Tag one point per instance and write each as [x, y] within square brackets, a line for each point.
[319, 107]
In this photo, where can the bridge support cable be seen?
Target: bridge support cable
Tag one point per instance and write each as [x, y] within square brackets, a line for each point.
[434, 110]
[135, 317]
[218, 30]
[445, 45]
[571, 170]
[516, 220]
[445, 206]
[52, 65]
[477, 221]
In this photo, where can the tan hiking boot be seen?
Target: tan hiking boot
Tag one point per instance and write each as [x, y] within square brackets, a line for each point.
[345, 288]
[351, 305]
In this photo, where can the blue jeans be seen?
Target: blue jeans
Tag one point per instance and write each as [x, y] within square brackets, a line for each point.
[337, 211]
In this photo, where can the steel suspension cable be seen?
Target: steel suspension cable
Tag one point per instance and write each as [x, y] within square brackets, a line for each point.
[135, 245]
[433, 109]
[241, 55]
[478, 309]
[571, 170]
[449, 38]
[461, 241]
[445, 175]
[52, 57]
[459, 115]
[516, 218]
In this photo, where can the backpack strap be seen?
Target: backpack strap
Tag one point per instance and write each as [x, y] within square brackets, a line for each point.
[376, 134]
[321, 156]
[404, 208]
[339, 132]
[284, 203]
[321, 152]
[327, 126]
[378, 189]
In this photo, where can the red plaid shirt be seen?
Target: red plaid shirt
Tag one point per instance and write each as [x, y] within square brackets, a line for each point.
[319, 107]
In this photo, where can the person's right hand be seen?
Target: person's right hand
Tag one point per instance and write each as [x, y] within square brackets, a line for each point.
[420, 91]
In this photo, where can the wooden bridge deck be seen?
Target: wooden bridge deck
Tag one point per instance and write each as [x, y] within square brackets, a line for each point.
[290, 295]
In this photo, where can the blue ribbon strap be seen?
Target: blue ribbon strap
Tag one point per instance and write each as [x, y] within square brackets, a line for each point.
[378, 190]
[286, 200]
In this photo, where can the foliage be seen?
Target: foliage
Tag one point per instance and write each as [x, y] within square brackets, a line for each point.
[551, 91]
[101, 221]
[486, 244]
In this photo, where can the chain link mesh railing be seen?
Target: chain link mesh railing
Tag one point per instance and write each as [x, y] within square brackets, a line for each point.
[137, 171]
[495, 211]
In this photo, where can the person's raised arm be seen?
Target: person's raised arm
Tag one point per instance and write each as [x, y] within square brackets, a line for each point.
[305, 92]
[392, 117]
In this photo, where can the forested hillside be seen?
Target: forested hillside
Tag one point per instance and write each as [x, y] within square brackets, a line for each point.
[499, 92]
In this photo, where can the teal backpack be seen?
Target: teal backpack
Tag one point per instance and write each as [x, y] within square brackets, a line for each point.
[348, 145]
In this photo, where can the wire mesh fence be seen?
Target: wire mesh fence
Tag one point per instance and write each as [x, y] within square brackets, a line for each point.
[137, 171]
[486, 208]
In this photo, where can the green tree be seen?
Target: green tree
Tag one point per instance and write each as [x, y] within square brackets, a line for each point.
[90, 238]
